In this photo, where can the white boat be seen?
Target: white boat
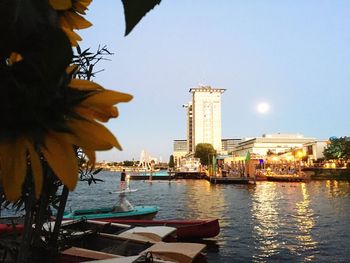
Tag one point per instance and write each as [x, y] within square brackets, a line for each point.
[189, 165]
[97, 240]
[125, 191]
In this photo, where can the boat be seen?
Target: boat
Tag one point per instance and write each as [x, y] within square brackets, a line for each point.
[84, 237]
[11, 228]
[177, 252]
[125, 191]
[150, 234]
[123, 210]
[186, 229]
[158, 253]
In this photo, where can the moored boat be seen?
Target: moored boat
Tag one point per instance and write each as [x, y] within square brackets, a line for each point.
[142, 212]
[186, 229]
[11, 228]
[83, 237]
[150, 234]
[124, 210]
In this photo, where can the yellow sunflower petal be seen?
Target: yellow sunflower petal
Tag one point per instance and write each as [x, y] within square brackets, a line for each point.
[61, 4]
[36, 169]
[82, 84]
[102, 114]
[85, 3]
[13, 163]
[80, 8]
[14, 57]
[91, 155]
[106, 98]
[61, 157]
[91, 135]
[71, 68]
[77, 21]
[65, 23]
[73, 37]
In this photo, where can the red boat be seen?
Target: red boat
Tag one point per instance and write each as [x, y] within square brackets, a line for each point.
[7, 228]
[186, 229]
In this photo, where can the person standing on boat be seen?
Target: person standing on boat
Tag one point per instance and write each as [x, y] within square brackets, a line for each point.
[122, 180]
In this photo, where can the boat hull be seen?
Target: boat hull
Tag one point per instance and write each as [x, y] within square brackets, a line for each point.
[139, 212]
[186, 229]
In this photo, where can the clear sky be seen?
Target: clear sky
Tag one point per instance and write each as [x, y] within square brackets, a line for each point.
[292, 54]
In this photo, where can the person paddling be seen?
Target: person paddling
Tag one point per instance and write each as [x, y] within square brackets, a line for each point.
[122, 180]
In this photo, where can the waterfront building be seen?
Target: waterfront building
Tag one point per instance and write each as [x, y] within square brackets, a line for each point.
[314, 150]
[228, 145]
[189, 131]
[204, 117]
[273, 143]
[180, 150]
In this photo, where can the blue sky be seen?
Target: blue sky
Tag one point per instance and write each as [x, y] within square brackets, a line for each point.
[293, 54]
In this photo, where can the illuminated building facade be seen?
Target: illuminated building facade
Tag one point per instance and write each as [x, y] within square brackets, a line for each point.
[204, 117]
[275, 143]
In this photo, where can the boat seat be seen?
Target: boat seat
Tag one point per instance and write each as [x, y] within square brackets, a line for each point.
[178, 252]
[87, 254]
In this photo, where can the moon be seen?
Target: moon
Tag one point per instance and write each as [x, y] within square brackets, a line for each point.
[263, 107]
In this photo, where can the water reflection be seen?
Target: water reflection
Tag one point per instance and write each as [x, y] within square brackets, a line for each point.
[204, 200]
[266, 220]
[305, 221]
[338, 188]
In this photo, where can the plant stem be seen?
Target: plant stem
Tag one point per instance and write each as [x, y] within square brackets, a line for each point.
[59, 216]
[24, 250]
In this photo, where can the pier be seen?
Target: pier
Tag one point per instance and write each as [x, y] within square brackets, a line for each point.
[189, 175]
[227, 180]
[154, 177]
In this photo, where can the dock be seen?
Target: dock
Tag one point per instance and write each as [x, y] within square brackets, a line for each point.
[228, 180]
[154, 177]
[189, 175]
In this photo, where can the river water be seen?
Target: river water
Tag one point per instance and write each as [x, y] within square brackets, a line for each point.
[266, 222]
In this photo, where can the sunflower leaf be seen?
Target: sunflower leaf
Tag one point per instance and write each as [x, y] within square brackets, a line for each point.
[135, 10]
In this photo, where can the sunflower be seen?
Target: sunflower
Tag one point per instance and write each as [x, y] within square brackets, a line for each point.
[70, 17]
[57, 147]
[45, 114]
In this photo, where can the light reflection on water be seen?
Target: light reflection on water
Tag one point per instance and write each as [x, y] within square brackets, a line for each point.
[265, 215]
[305, 222]
[267, 222]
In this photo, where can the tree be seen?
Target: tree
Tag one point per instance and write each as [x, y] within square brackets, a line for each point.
[204, 151]
[128, 163]
[171, 161]
[339, 148]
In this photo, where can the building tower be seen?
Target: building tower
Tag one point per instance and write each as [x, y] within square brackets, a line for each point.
[204, 117]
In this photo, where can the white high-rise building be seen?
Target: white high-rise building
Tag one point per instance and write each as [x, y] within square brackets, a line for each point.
[204, 117]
